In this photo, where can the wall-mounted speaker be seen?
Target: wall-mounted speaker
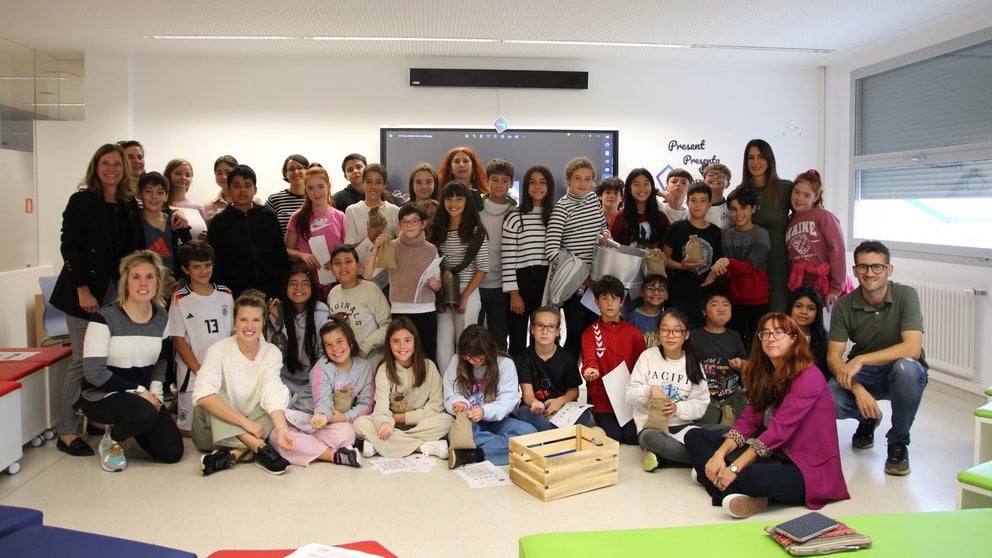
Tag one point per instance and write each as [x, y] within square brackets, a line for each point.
[535, 79]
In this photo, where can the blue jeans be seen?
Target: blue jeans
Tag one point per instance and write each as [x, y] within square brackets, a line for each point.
[493, 437]
[538, 421]
[901, 382]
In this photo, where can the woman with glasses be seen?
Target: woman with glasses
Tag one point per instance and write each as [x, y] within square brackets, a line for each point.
[286, 202]
[548, 375]
[784, 446]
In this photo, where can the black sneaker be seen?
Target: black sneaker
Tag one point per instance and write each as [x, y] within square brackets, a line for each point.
[347, 456]
[269, 459]
[898, 462]
[459, 457]
[217, 460]
[864, 436]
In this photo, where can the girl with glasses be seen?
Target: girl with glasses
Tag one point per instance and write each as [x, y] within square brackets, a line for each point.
[784, 446]
[548, 375]
[483, 385]
[668, 393]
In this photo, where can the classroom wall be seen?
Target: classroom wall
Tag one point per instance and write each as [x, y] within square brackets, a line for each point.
[838, 174]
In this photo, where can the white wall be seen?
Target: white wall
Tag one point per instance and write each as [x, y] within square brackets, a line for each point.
[837, 154]
[262, 110]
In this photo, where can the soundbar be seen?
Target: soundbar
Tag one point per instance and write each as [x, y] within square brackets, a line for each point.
[534, 79]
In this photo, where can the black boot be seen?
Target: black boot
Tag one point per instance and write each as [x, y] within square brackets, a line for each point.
[459, 457]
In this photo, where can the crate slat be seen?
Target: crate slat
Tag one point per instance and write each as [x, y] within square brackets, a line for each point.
[580, 467]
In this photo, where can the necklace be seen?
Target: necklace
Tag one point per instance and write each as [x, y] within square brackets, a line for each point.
[485, 207]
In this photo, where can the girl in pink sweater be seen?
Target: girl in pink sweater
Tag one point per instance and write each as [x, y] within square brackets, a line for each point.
[815, 242]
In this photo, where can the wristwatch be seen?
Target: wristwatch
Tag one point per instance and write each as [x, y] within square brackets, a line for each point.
[734, 469]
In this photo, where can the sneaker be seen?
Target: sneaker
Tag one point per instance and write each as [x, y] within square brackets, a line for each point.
[347, 456]
[459, 457]
[740, 506]
[864, 436]
[649, 461]
[111, 454]
[368, 450]
[217, 460]
[694, 476]
[269, 459]
[438, 448]
[898, 461]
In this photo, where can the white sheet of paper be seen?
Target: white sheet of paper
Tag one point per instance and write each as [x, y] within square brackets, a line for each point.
[616, 388]
[589, 301]
[364, 248]
[195, 220]
[433, 270]
[483, 475]
[680, 435]
[16, 355]
[568, 414]
[314, 550]
[415, 463]
[318, 246]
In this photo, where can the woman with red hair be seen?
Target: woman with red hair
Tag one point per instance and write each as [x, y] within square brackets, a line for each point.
[792, 456]
[462, 164]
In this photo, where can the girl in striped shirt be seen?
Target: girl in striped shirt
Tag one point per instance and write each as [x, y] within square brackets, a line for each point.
[525, 266]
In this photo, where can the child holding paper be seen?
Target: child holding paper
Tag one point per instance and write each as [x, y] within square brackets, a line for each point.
[317, 218]
[413, 256]
[548, 375]
[607, 343]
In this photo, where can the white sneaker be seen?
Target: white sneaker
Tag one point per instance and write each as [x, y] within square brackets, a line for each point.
[111, 454]
[694, 476]
[438, 449]
[740, 506]
[368, 450]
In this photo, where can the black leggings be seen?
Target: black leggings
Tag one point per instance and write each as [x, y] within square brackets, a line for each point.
[626, 434]
[770, 477]
[132, 416]
[530, 285]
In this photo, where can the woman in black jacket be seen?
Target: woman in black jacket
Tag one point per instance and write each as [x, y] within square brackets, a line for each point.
[100, 225]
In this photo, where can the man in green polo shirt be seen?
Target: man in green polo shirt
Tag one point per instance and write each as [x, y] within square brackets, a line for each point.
[884, 321]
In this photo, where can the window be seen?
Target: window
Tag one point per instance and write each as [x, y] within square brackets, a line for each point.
[922, 156]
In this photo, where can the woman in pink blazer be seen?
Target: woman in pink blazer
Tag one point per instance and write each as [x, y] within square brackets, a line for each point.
[784, 446]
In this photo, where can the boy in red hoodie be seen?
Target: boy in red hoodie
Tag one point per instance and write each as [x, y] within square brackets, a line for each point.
[745, 264]
[605, 344]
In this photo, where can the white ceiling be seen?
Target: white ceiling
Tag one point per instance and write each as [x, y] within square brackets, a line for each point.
[776, 31]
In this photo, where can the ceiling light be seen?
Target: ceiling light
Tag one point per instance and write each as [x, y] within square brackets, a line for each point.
[591, 43]
[55, 104]
[222, 37]
[25, 78]
[406, 39]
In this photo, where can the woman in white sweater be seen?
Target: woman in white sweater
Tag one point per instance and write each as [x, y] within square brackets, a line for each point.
[409, 411]
[239, 397]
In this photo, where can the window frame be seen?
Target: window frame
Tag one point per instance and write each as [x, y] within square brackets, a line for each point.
[913, 158]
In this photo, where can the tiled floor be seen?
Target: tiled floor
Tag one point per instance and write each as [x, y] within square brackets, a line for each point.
[437, 514]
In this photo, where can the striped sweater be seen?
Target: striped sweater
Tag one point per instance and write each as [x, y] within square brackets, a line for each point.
[523, 245]
[119, 354]
[575, 222]
[453, 250]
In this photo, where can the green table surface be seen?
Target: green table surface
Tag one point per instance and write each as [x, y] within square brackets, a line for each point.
[948, 534]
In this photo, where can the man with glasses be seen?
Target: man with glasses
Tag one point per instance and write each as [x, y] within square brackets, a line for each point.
[884, 321]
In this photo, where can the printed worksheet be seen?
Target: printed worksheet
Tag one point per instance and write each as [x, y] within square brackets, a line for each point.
[568, 414]
[415, 463]
[483, 475]
[16, 355]
[318, 246]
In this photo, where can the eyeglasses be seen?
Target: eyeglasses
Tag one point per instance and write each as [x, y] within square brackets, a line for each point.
[715, 174]
[545, 327]
[676, 333]
[777, 334]
[474, 360]
[656, 290]
[299, 284]
[409, 222]
[877, 268]
[295, 169]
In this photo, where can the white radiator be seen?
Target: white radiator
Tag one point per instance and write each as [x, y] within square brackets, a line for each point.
[949, 320]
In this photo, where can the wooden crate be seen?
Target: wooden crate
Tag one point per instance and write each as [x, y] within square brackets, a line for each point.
[561, 462]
